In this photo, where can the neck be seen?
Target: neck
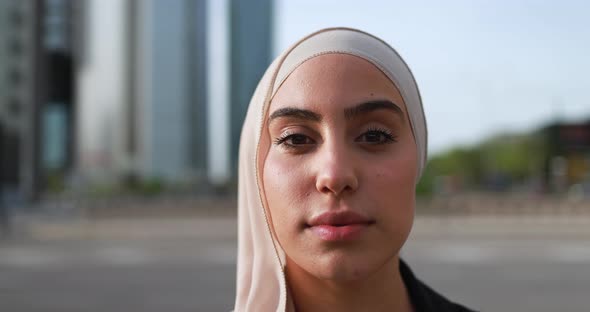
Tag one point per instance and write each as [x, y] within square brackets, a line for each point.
[384, 290]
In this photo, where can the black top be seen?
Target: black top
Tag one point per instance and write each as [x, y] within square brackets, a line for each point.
[424, 298]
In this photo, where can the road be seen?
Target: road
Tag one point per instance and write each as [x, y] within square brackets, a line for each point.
[189, 265]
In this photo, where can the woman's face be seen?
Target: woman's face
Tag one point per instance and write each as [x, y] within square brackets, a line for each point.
[340, 171]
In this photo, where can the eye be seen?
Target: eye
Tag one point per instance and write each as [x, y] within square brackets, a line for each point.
[294, 140]
[376, 136]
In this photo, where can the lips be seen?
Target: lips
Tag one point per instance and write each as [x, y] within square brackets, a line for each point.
[339, 225]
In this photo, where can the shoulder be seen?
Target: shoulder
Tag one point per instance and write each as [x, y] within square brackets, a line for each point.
[424, 298]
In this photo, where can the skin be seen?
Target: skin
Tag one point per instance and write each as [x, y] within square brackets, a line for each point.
[365, 162]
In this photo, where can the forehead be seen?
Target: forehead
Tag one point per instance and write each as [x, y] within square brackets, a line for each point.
[333, 81]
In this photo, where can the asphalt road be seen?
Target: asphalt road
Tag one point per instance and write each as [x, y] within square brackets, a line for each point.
[189, 265]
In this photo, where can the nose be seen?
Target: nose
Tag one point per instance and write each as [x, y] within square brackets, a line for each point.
[335, 171]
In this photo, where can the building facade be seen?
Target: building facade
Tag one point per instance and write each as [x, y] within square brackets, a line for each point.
[36, 94]
[251, 48]
[142, 91]
[163, 87]
[567, 156]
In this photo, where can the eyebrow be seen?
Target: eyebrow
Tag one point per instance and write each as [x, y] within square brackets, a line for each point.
[349, 113]
[371, 106]
[298, 113]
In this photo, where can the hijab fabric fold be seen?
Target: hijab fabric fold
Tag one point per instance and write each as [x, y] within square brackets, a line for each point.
[261, 284]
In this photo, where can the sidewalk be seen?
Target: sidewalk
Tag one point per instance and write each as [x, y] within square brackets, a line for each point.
[507, 226]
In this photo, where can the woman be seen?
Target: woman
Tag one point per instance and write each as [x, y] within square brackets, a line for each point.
[332, 147]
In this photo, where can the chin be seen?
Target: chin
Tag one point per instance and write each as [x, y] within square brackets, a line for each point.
[346, 268]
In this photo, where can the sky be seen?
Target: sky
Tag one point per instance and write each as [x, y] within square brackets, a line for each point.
[483, 67]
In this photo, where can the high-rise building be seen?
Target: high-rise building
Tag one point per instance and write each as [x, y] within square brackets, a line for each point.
[251, 48]
[17, 28]
[142, 90]
[151, 79]
[113, 89]
[36, 102]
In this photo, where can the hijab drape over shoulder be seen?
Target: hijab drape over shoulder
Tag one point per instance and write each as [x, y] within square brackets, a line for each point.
[261, 284]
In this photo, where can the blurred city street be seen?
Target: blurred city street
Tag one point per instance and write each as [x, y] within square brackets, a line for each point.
[121, 123]
[188, 264]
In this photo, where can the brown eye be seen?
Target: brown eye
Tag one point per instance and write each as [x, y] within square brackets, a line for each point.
[294, 140]
[376, 136]
[297, 139]
[373, 137]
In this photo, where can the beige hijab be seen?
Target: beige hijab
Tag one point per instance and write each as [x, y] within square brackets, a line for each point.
[261, 284]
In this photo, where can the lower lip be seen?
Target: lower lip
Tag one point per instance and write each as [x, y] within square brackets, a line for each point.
[339, 233]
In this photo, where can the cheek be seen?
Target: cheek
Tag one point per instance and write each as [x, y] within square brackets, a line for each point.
[283, 178]
[399, 175]
[393, 182]
[285, 187]
[396, 174]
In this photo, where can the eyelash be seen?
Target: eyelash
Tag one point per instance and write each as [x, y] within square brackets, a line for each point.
[389, 137]
[286, 136]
